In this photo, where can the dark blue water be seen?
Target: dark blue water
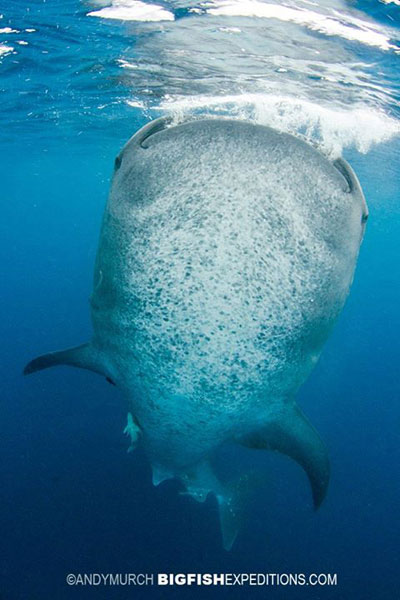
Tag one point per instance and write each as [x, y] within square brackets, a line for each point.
[72, 499]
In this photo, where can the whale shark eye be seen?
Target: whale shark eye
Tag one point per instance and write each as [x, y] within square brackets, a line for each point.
[150, 129]
[364, 218]
[117, 163]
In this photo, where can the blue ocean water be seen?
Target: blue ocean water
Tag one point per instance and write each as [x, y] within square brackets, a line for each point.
[74, 88]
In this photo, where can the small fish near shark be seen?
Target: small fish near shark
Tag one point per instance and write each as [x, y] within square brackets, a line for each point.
[226, 254]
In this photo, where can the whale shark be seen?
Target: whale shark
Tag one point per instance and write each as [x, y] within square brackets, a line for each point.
[226, 254]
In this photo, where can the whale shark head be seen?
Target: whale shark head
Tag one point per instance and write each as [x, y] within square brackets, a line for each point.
[226, 254]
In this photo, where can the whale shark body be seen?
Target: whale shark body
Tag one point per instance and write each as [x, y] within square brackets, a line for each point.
[226, 253]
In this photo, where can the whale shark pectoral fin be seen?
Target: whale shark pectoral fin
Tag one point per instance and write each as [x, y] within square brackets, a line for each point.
[292, 434]
[84, 357]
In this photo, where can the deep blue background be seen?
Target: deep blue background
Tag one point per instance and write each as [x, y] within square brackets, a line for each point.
[73, 500]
